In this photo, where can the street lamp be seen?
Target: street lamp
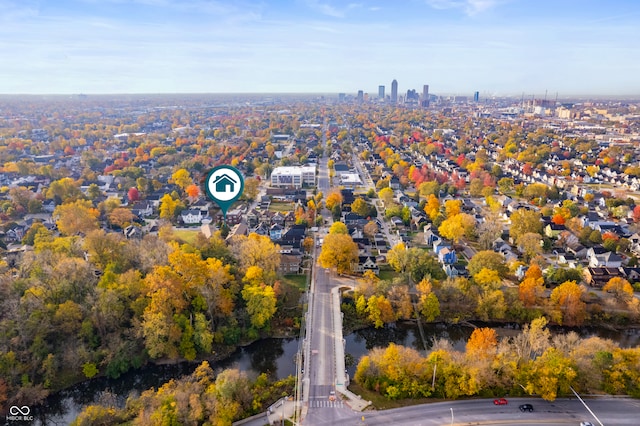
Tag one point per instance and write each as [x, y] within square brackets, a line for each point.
[451, 416]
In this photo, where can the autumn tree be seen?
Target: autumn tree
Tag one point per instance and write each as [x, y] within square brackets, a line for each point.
[120, 217]
[257, 250]
[452, 208]
[338, 228]
[333, 199]
[568, 308]
[169, 207]
[251, 188]
[432, 207]
[338, 251]
[63, 190]
[482, 343]
[370, 229]
[455, 227]
[530, 245]
[487, 259]
[429, 305]
[620, 288]
[261, 303]
[182, 178]
[386, 195]
[523, 221]
[531, 289]
[78, 216]
[360, 207]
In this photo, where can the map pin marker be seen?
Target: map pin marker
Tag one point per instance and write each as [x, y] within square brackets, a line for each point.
[224, 185]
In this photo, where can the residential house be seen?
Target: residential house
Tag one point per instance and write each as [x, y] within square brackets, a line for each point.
[366, 263]
[192, 216]
[598, 277]
[553, 230]
[598, 257]
[290, 263]
[275, 232]
[454, 271]
[447, 256]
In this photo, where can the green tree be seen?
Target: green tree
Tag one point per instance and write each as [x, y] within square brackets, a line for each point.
[487, 259]
[261, 303]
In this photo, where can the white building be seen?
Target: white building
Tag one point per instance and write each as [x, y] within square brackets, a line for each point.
[293, 176]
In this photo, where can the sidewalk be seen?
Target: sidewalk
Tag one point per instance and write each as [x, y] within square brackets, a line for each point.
[284, 408]
[352, 400]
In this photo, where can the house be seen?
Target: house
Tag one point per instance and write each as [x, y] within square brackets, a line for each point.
[290, 263]
[366, 263]
[454, 271]
[191, 216]
[598, 277]
[142, 209]
[599, 259]
[447, 256]
[238, 229]
[224, 183]
[132, 232]
[275, 232]
[553, 230]
[430, 237]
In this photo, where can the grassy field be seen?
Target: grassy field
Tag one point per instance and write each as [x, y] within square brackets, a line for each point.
[299, 281]
[387, 273]
[186, 235]
[379, 402]
[280, 207]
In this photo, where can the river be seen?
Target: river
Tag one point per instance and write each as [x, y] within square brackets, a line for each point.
[276, 358]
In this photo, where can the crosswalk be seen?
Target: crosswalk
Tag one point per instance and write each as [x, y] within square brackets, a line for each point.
[325, 403]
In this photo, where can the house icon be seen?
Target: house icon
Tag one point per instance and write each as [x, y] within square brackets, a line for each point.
[224, 183]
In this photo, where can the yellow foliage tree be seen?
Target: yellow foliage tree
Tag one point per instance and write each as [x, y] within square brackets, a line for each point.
[338, 251]
[79, 216]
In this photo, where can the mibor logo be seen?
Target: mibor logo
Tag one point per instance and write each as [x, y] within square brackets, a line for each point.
[19, 414]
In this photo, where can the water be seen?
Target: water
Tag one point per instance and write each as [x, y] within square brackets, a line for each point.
[272, 356]
[276, 358]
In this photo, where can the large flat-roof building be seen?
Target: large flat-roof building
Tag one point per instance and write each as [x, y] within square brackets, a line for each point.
[293, 176]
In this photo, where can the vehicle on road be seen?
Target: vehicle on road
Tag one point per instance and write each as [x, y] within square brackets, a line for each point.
[332, 396]
[526, 407]
[500, 401]
[586, 424]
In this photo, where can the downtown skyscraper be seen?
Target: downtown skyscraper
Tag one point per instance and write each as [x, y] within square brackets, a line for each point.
[394, 91]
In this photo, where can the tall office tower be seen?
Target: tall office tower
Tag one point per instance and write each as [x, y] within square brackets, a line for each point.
[360, 95]
[394, 91]
[381, 92]
[425, 96]
[476, 96]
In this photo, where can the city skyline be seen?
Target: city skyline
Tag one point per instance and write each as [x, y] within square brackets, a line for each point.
[496, 47]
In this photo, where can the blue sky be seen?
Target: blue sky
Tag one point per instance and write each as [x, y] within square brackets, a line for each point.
[497, 47]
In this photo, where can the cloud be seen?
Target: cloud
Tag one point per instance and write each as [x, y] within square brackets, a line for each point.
[330, 10]
[469, 7]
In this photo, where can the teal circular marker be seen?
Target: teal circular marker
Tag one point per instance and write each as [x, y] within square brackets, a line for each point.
[224, 185]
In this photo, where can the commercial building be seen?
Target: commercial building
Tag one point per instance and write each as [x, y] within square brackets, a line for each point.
[293, 176]
[394, 91]
[381, 92]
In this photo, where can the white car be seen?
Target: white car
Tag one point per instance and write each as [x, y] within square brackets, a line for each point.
[586, 424]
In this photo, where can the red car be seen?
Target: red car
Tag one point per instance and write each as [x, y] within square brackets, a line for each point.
[500, 401]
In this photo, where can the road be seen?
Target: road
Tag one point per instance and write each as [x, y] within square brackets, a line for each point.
[611, 411]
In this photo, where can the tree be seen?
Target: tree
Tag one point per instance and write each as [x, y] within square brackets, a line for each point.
[529, 245]
[133, 194]
[261, 303]
[488, 279]
[257, 250]
[620, 288]
[338, 251]
[251, 188]
[569, 308]
[428, 301]
[523, 221]
[338, 228]
[78, 216]
[169, 207]
[193, 191]
[531, 288]
[370, 229]
[487, 259]
[386, 195]
[379, 310]
[432, 207]
[482, 343]
[457, 226]
[398, 258]
[489, 231]
[120, 217]
[333, 199]
[182, 178]
[549, 374]
[63, 190]
[360, 207]
[452, 208]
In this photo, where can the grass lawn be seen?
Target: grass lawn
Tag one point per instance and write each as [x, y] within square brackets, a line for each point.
[387, 273]
[295, 280]
[379, 402]
[280, 207]
[186, 235]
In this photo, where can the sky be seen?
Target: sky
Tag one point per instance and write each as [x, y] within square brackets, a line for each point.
[496, 47]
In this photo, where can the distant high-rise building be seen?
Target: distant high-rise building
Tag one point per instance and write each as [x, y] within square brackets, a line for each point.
[341, 97]
[381, 92]
[360, 95]
[476, 96]
[425, 96]
[394, 91]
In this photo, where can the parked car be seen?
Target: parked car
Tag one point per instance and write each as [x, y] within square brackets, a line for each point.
[500, 401]
[526, 407]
